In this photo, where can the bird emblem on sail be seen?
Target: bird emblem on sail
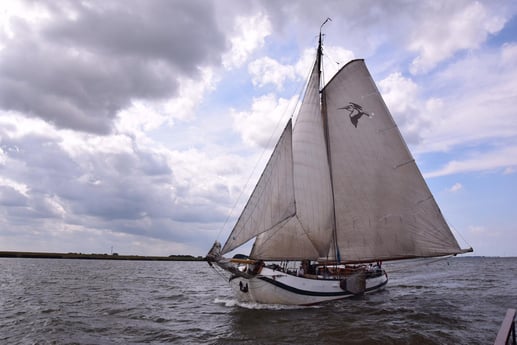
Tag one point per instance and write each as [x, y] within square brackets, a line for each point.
[356, 112]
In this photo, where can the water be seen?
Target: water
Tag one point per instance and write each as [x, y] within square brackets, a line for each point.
[46, 301]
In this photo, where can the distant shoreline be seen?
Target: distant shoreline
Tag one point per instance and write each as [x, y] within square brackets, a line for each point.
[114, 256]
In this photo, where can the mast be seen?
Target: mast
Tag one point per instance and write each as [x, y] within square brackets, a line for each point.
[327, 141]
[320, 51]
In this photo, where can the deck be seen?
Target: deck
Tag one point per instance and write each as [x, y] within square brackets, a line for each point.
[506, 334]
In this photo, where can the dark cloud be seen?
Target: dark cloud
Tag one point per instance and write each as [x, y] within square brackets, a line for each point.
[78, 72]
[133, 191]
[182, 33]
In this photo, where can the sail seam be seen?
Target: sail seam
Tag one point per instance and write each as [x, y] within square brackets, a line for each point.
[405, 163]
[278, 227]
[314, 245]
[388, 129]
[424, 200]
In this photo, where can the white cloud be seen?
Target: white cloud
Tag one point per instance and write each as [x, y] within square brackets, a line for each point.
[303, 66]
[412, 114]
[437, 39]
[481, 232]
[35, 14]
[249, 34]
[269, 71]
[16, 125]
[262, 125]
[19, 187]
[478, 97]
[191, 93]
[456, 187]
[3, 157]
[144, 116]
[509, 54]
[141, 116]
[501, 158]
[266, 70]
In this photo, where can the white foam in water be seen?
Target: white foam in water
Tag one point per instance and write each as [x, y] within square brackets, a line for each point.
[250, 305]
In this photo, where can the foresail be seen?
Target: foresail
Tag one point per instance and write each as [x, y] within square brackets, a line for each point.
[384, 209]
[272, 200]
[308, 234]
[287, 241]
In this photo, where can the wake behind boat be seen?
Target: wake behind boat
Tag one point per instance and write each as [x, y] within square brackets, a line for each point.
[340, 194]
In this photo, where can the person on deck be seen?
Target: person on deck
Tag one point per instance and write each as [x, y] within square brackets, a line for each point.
[301, 271]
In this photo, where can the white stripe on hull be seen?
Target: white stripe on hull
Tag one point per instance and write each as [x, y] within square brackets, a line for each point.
[276, 287]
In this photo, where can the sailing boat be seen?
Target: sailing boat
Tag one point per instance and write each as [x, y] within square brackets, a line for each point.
[340, 194]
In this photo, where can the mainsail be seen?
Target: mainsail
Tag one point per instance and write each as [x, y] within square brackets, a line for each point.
[384, 209]
[342, 180]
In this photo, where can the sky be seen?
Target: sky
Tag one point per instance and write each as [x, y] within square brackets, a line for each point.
[140, 127]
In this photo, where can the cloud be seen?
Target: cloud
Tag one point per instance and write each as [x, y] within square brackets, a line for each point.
[249, 34]
[481, 232]
[10, 197]
[87, 63]
[144, 116]
[502, 158]
[476, 102]
[110, 182]
[411, 111]
[456, 187]
[509, 54]
[266, 70]
[461, 27]
[262, 125]
[433, 31]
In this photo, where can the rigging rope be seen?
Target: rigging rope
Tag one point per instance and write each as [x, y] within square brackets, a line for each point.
[453, 228]
[423, 262]
[219, 272]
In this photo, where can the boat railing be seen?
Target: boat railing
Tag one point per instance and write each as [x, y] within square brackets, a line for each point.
[506, 334]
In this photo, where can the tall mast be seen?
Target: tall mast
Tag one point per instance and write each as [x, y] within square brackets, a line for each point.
[320, 51]
[327, 141]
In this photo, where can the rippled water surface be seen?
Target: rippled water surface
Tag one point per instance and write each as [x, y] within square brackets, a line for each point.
[47, 301]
